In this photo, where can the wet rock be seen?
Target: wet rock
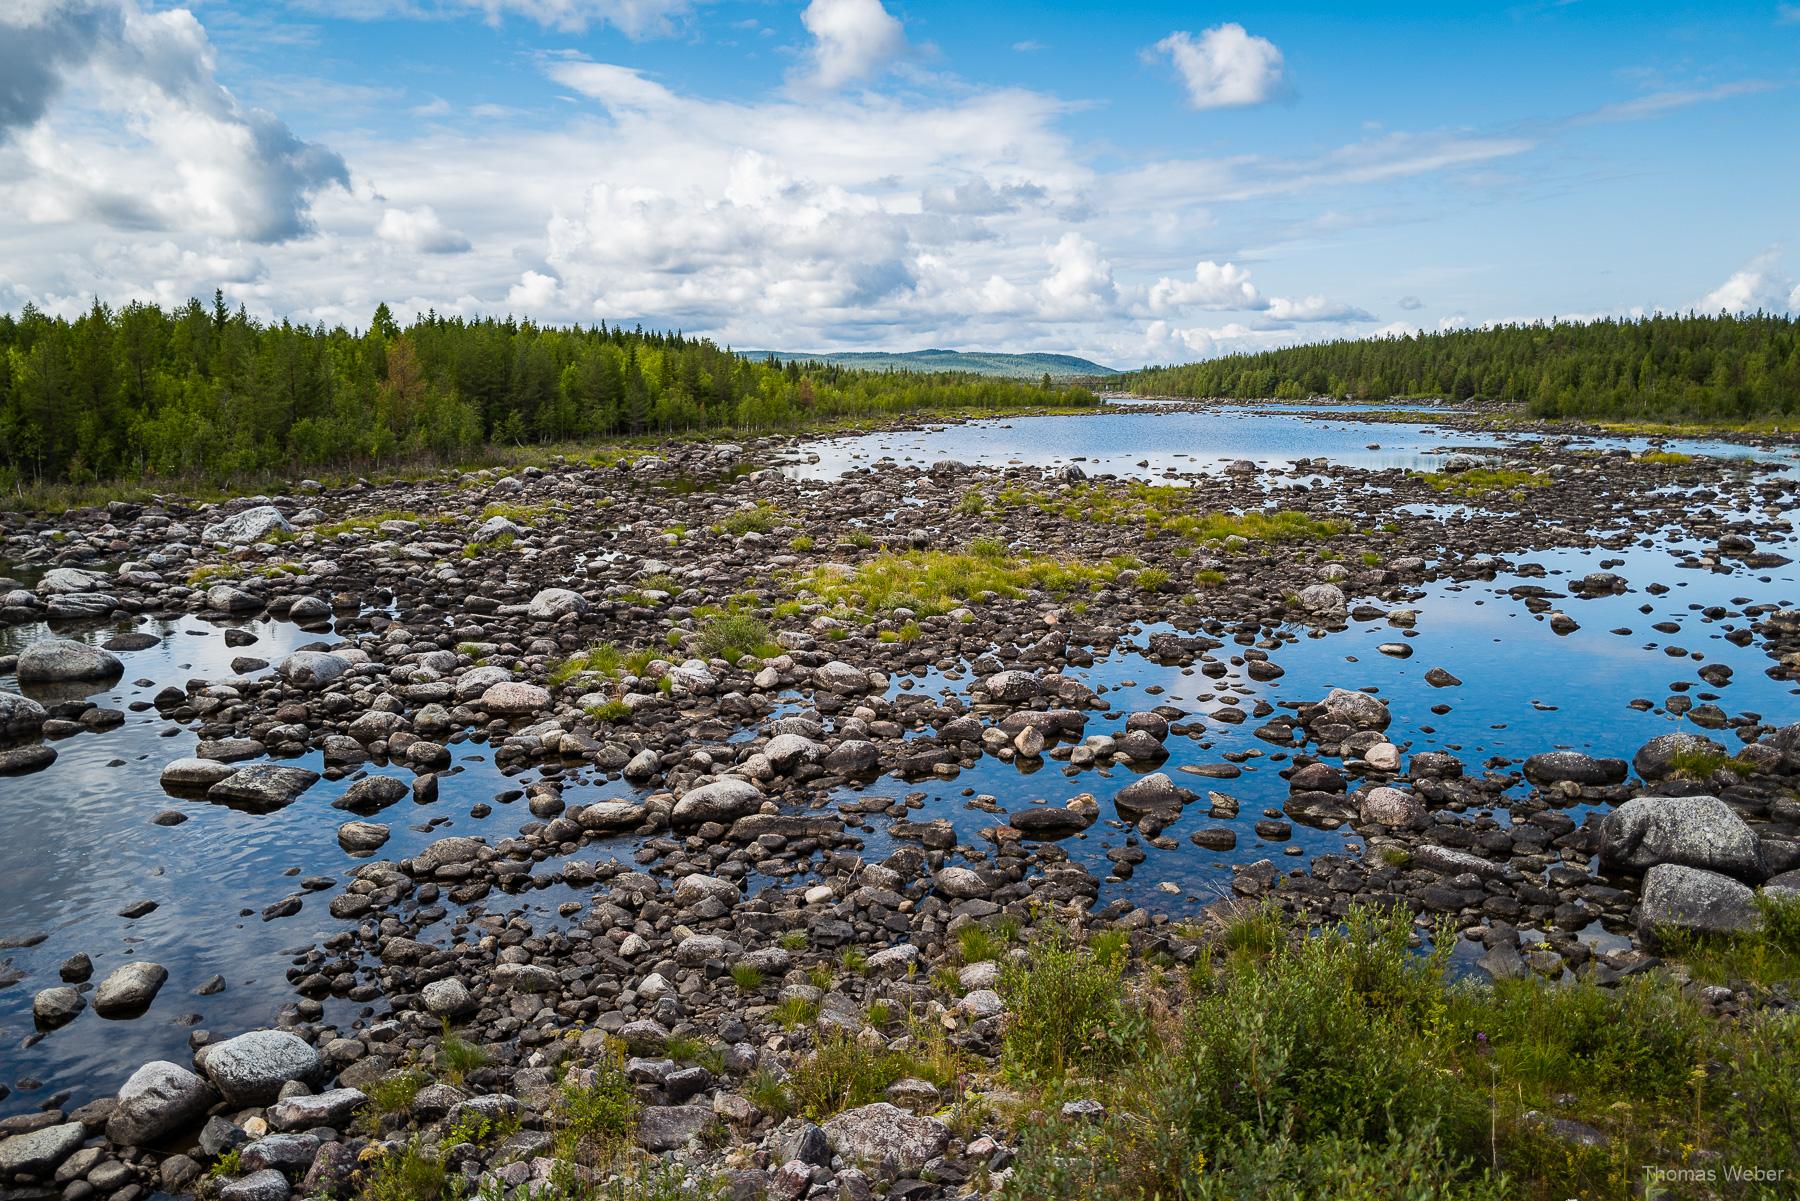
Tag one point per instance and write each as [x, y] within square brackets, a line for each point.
[449, 998]
[1437, 677]
[1697, 832]
[159, 1099]
[371, 794]
[20, 714]
[128, 989]
[1154, 793]
[251, 1068]
[362, 838]
[189, 775]
[263, 787]
[1358, 710]
[60, 660]
[251, 525]
[332, 1108]
[20, 760]
[58, 1006]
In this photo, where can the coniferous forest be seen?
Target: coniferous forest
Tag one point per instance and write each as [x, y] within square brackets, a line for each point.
[203, 392]
[1664, 367]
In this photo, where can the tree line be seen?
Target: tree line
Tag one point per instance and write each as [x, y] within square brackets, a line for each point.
[1723, 368]
[207, 392]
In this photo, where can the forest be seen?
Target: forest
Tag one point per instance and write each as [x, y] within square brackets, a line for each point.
[1718, 369]
[207, 393]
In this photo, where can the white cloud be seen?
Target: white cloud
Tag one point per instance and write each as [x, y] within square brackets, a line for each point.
[1214, 286]
[1226, 66]
[112, 114]
[421, 230]
[1314, 308]
[534, 292]
[1759, 284]
[853, 40]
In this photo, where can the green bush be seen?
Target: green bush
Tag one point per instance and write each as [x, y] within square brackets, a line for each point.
[1067, 1012]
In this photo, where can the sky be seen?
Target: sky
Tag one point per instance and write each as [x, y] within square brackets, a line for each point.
[1134, 182]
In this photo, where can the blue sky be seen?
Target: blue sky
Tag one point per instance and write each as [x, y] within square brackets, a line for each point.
[1145, 183]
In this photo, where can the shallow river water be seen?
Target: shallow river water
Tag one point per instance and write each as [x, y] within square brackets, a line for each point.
[80, 841]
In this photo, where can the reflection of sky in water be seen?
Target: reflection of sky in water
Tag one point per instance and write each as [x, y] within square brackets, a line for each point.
[80, 845]
[79, 842]
[1203, 440]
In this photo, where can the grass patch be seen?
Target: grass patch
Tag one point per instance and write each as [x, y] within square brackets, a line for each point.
[760, 520]
[413, 1173]
[457, 1057]
[1665, 458]
[731, 636]
[1483, 481]
[1699, 764]
[930, 582]
[1159, 509]
[842, 1074]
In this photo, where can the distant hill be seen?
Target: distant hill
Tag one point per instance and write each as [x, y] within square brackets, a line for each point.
[975, 362]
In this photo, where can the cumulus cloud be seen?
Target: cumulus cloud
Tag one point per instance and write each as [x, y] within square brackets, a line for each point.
[420, 229]
[1759, 284]
[1226, 66]
[112, 113]
[1214, 286]
[852, 40]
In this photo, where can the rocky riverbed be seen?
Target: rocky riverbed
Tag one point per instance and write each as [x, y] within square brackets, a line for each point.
[683, 763]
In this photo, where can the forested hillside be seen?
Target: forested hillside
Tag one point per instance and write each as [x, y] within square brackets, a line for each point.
[1709, 368]
[202, 391]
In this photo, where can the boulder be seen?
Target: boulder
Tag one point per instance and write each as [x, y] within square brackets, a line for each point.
[720, 801]
[1323, 600]
[1356, 709]
[371, 794]
[313, 669]
[838, 676]
[1554, 767]
[195, 774]
[251, 525]
[263, 787]
[362, 838]
[1391, 807]
[1696, 831]
[670, 1127]
[1658, 757]
[129, 988]
[1154, 793]
[553, 603]
[158, 1099]
[1693, 899]
[251, 1068]
[511, 698]
[57, 660]
[885, 1138]
[20, 714]
[37, 1153]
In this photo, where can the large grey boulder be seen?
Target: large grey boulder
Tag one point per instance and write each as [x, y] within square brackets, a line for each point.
[190, 774]
[251, 1068]
[669, 1127]
[721, 801]
[56, 660]
[1692, 899]
[1323, 600]
[252, 525]
[886, 1139]
[1695, 831]
[838, 676]
[158, 1099]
